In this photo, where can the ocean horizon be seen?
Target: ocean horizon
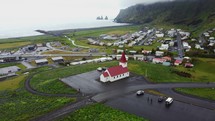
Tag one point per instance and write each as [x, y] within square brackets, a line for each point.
[29, 29]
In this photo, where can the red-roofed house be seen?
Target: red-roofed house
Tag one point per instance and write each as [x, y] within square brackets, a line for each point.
[188, 65]
[177, 62]
[117, 72]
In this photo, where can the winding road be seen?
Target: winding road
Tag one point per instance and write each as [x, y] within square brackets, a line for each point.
[108, 95]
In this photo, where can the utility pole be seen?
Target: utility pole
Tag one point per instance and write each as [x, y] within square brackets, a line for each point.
[146, 72]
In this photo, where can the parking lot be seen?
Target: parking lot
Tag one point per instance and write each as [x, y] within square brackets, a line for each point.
[89, 83]
[157, 111]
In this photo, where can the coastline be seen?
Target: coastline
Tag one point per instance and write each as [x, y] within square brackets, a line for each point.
[64, 31]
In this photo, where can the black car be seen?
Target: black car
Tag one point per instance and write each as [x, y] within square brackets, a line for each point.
[161, 99]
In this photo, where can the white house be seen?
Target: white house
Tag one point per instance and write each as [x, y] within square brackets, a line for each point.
[160, 35]
[164, 47]
[158, 60]
[139, 57]
[159, 53]
[117, 72]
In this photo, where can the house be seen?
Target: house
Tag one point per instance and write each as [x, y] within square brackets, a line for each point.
[139, 57]
[41, 62]
[117, 72]
[166, 58]
[159, 53]
[177, 62]
[160, 35]
[57, 59]
[157, 60]
[7, 70]
[164, 47]
[166, 63]
[188, 65]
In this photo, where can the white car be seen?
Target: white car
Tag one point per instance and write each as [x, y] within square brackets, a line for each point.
[140, 92]
[169, 101]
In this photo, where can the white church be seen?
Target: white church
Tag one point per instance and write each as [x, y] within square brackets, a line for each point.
[117, 72]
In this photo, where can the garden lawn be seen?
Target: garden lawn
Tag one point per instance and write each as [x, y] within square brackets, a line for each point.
[100, 112]
[48, 81]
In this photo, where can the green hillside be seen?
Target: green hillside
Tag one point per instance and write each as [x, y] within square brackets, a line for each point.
[191, 13]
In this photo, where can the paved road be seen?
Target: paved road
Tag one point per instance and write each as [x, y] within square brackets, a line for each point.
[180, 46]
[156, 111]
[203, 41]
[119, 92]
[65, 110]
[115, 94]
[27, 65]
[73, 42]
[147, 38]
[189, 99]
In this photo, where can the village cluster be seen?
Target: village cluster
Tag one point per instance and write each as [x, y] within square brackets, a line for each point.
[172, 41]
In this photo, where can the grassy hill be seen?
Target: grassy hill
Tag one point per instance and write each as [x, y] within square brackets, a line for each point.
[191, 13]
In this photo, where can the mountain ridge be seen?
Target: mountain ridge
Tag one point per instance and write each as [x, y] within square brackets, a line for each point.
[181, 12]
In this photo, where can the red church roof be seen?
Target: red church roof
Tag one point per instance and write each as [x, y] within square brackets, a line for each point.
[105, 74]
[123, 58]
[117, 70]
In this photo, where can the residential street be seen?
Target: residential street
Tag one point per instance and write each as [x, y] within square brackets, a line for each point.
[180, 46]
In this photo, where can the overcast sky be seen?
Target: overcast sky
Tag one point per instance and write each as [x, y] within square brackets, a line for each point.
[31, 11]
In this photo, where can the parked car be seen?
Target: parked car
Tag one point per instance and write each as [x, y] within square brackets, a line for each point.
[140, 92]
[161, 98]
[169, 101]
[99, 69]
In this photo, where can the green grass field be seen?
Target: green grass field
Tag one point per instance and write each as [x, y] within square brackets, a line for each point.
[12, 83]
[48, 81]
[13, 45]
[100, 112]
[18, 104]
[206, 93]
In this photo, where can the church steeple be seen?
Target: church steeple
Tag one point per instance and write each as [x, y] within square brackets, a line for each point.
[123, 61]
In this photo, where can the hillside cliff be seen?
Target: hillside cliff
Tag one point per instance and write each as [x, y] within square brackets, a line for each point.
[183, 12]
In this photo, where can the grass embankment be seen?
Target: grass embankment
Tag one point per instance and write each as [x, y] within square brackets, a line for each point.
[48, 81]
[12, 83]
[13, 45]
[156, 72]
[56, 52]
[204, 71]
[100, 112]
[206, 93]
[18, 104]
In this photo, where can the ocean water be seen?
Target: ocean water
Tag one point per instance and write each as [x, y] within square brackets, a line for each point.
[28, 29]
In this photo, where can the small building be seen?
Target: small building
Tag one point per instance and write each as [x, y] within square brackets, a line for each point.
[158, 60]
[8, 70]
[188, 65]
[57, 59]
[41, 62]
[117, 72]
[75, 63]
[159, 53]
[160, 35]
[166, 63]
[177, 62]
[164, 47]
[139, 57]
[166, 58]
